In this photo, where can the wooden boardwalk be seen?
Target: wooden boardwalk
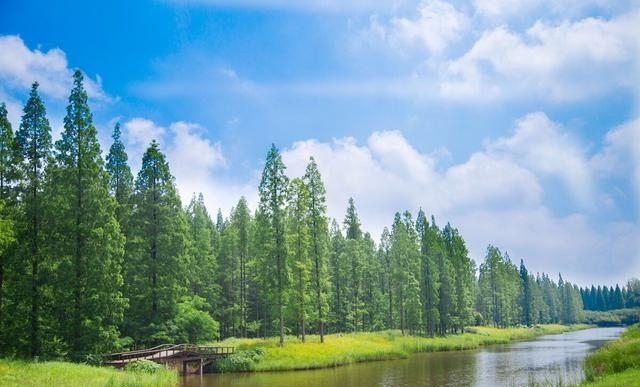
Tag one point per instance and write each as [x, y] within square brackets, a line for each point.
[173, 355]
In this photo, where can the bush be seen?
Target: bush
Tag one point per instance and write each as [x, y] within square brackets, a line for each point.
[93, 360]
[240, 361]
[145, 366]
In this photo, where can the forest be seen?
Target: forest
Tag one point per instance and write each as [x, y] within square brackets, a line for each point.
[94, 259]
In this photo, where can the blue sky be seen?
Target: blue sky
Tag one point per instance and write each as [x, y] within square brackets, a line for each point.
[517, 121]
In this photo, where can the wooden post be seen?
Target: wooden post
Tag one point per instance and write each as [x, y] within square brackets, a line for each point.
[201, 366]
[184, 368]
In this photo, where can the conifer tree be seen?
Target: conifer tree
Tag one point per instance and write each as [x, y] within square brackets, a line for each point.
[120, 177]
[526, 296]
[7, 182]
[464, 276]
[241, 222]
[298, 241]
[353, 258]
[33, 153]
[339, 269]
[156, 276]
[202, 260]
[85, 238]
[318, 244]
[429, 273]
[273, 195]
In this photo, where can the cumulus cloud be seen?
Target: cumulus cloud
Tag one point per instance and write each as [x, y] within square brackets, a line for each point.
[193, 160]
[558, 60]
[20, 66]
[541, 146]
[437, 24]
[496, 196]
[620, 157]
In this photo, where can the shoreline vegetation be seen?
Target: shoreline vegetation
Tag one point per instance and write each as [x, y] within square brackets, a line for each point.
[617, 363]
[19, 373]
[343, 349]
[257, 355]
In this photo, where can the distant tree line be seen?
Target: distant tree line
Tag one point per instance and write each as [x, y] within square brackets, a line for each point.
[604, 298]
[94, 259]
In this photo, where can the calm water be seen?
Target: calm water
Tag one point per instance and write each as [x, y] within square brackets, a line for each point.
[547, 359]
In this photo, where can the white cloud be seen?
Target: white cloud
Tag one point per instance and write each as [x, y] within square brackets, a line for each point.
[541, 146]
[138, 133]
[192, 159]
[620, 157]
[496, 196]
[500, 9]
[559, 60]
[438, 24]
[552, 244]
[20, 67]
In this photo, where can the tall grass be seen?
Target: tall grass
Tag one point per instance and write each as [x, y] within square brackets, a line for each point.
[60, 374]
[341, 349]
[616, 363]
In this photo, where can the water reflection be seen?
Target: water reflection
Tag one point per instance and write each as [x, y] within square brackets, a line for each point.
[547, 359]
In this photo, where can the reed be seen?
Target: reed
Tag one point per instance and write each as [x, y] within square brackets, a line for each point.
[61, 374]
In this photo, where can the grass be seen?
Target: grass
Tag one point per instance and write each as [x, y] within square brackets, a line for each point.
[60, 374]
[617, 364]
[266, 355]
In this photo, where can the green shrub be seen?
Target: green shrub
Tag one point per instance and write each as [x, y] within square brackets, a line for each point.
[240, 361]
[145, 366]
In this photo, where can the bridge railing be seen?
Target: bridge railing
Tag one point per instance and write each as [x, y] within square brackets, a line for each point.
[167, 350]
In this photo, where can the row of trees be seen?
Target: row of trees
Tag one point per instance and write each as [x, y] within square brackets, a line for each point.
[605, 298]
[93, 259]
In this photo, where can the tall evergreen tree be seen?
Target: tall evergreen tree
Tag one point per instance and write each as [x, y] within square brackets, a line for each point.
[156, 276]
[7, 183]
[202, 260]
[120, 177]
[298, 241]
[86, 239]
[405, 270]
[241, 222]
[353, 258]
[318, 244]
[429, 273]
[339, 270]
[464, 276]
[33, 151]
[273, 195]
[527, 297]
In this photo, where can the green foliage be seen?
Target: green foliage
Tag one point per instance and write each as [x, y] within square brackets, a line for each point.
[156, 267]
[144, 366]
[193, 324]
[29, 295]
[243, 360]
[83, 235]
[615, 357]
[28, 374]
[273, 197]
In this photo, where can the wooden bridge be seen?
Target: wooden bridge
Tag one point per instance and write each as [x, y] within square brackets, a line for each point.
[173, 355]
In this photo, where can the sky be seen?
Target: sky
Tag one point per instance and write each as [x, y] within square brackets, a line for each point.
[517, 121]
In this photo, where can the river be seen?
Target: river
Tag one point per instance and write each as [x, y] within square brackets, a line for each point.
[545, 360]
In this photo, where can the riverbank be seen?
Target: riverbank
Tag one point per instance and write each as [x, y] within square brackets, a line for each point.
[342, 349]
[617, 363]
[15, 373]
